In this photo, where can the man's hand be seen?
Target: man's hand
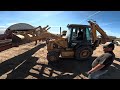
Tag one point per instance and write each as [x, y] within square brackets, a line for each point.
[96, 68]
[89, 72]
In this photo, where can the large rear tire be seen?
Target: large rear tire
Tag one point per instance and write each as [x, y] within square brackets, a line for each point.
[83, 53]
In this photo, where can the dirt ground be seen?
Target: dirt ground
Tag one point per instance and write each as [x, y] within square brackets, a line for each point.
[29, 62]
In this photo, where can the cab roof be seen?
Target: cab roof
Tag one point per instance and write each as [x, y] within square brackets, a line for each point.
[77, 26]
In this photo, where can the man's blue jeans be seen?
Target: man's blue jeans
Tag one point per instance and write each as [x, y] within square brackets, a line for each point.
[97, 74]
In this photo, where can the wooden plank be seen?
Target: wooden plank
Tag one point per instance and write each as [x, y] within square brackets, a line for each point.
[5, 46]
[5, 41]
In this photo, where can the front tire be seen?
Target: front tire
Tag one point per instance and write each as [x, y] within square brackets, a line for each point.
[83, 53]
[52, 56]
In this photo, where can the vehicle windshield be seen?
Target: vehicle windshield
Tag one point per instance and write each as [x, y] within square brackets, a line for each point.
[68, 34]
[88, 35]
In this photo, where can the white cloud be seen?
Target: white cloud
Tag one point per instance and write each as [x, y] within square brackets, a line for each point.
[2, 26]
[105, 24]
[50, 13]
[2, 31]
[9, 24]
[45, 14]
[40, 13]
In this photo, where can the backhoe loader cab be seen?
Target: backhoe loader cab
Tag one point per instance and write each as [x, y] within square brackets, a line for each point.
[78, 34]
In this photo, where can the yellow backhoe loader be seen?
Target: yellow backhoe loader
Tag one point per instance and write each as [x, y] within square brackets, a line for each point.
[78, 42]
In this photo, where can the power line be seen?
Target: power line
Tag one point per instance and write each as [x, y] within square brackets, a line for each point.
[91, 16]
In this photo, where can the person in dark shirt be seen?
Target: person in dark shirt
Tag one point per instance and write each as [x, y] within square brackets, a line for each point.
[80, 35]
[101, 64]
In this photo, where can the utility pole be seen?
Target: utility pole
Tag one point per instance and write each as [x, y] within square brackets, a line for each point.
[60, 31]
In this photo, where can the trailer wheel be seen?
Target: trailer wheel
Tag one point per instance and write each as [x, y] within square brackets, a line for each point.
[83, 53]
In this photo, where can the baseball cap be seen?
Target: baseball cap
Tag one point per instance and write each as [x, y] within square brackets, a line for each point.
[109, 45]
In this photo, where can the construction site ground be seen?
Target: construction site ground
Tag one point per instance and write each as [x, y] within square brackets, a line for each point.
[29, 61]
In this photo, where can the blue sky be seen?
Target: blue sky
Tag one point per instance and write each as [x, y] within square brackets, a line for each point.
[109, 21]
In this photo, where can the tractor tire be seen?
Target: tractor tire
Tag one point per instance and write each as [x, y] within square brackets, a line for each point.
[83, 53]
[52, 56]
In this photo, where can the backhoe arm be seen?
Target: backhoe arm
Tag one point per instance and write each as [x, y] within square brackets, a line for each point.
[95, 27]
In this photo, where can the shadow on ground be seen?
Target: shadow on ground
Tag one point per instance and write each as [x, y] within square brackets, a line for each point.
[70, 68]
[19, 66]
[114, 71]
[63, 69]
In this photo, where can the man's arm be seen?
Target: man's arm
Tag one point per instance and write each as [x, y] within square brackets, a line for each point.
[96, 68]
